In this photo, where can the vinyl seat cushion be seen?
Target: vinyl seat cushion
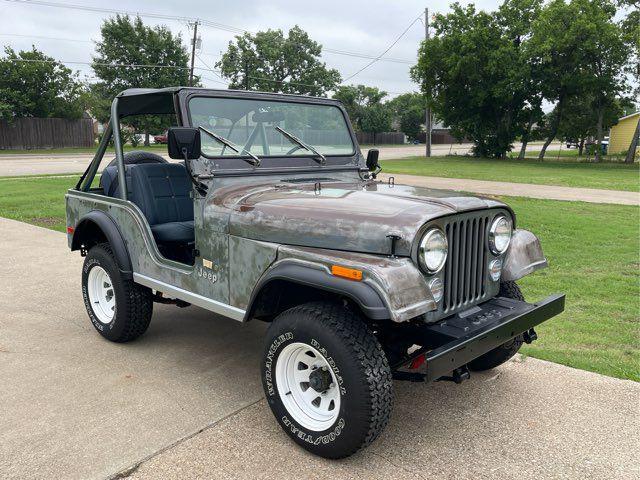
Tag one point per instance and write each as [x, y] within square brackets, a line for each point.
[162, 192]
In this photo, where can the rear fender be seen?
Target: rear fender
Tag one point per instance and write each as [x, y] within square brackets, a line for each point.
[97, 226]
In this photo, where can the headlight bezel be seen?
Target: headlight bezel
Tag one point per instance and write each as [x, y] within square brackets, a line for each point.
[422, 250]
[493, 246]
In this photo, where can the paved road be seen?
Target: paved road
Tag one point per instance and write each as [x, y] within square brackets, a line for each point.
[550, 192]
[185, 400]
[16, 165]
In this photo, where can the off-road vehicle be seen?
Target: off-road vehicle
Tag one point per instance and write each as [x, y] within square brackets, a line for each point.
[270, 212]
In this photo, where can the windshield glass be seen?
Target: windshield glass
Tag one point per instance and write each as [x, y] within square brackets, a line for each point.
[251, 124]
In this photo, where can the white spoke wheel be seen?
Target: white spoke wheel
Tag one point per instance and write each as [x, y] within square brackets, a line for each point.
[101, 294]
[119, 309]
[326, 378]
[307, 386]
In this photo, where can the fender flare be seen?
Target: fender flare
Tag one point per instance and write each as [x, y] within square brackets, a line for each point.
[105, 223]
[361, 293]
[524, 256]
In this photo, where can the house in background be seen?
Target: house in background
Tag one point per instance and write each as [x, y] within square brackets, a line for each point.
[622, 133]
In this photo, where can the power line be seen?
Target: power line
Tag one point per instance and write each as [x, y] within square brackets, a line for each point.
[383, 53]
[209, 23]
[45, 38]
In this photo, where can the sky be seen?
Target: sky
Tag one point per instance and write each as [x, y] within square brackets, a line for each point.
[362, 27]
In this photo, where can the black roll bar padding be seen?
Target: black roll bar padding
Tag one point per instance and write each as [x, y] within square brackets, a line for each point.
[117, 143]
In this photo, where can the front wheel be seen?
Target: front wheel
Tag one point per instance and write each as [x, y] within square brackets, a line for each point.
[327, 379]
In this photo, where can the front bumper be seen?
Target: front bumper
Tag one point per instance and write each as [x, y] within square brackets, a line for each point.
[461, 338]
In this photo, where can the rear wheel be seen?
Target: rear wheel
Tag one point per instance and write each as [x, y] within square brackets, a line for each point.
[118, 308]
[504, 352]
[327, 379]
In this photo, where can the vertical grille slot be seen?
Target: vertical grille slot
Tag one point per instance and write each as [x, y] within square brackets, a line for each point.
[465, 271]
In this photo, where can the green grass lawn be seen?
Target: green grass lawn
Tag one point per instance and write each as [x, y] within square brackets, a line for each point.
[613, 176]
[593, 252]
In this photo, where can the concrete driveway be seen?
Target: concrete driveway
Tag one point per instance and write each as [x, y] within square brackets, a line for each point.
[185, 400]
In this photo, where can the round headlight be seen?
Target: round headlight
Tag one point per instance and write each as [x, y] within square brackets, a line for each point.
[500, 235]
[433, 250]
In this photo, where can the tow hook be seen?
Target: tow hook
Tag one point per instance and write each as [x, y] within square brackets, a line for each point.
[458, 375]
[529, 336]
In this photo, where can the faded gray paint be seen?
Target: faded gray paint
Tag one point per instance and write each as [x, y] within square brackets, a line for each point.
[248, 260]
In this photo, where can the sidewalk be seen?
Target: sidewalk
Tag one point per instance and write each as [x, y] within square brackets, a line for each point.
[548, 192]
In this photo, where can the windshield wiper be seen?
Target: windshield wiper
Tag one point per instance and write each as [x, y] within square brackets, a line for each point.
[236, 148]
[295, 139]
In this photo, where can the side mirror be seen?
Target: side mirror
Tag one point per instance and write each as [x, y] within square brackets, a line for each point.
[183, 143]
[372, 160]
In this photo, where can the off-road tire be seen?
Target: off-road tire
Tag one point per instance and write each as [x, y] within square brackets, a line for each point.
[137, 157]
[359, 365]
[133, 302]
[504, 352]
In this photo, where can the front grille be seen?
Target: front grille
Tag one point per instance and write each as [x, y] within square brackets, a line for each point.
[465, 271]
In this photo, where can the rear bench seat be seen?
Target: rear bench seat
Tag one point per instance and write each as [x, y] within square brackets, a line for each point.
[161, 190]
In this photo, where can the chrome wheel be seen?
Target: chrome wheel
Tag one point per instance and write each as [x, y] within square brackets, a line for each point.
[101, 294]
[307, 386]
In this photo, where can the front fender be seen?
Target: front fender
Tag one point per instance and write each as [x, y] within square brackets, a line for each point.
[391, 288]
[524, 256]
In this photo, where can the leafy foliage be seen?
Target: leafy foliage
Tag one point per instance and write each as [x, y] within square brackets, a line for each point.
[270, 62]
[357, 100]
[472, 71]
[33, 84]
[487, 74]
[130, 42]
[408, 111]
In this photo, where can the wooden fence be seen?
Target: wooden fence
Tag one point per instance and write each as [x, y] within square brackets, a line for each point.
[396, 138]
[30, 133]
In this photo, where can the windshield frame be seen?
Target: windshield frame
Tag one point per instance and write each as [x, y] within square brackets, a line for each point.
[294, 162]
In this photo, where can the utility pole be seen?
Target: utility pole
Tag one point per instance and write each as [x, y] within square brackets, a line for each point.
[427, 123]
[193, 51]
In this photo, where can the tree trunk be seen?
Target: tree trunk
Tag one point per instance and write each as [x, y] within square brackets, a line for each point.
[581, 147]
[554, 128]
[525, 138]
[631, 153]
[598, 155]
[146, 138]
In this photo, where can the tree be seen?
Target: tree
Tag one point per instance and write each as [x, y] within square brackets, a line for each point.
[472, 76]
[357, 99]
[607, 54]
[578, 52]
[270, 62]
[408, 110]
[33, 84]
[127, 41]
[375, 119]
[516, 18]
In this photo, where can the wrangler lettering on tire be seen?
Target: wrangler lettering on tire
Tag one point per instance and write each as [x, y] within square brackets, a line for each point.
[327, 379]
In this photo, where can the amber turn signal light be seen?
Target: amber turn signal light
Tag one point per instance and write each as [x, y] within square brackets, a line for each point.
[344, 272]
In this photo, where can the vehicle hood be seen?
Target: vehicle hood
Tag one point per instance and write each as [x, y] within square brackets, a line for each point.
[342, 215]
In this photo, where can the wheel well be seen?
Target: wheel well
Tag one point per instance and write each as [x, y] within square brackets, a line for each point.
[87, 234]
[280, 295]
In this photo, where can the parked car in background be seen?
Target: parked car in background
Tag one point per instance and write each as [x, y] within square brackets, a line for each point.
[162, 138]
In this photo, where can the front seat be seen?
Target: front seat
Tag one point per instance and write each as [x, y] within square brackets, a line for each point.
[161, 191]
